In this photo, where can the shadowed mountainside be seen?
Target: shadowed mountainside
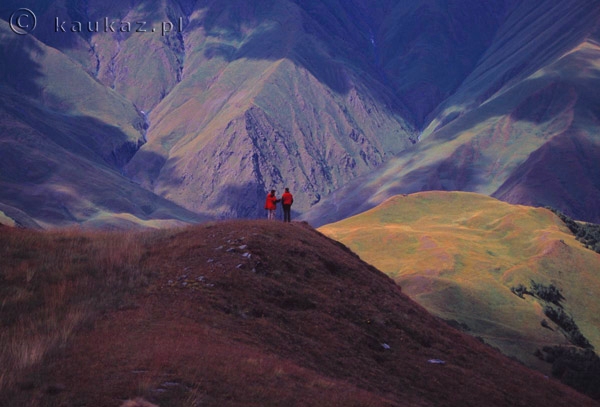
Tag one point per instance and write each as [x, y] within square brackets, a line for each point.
[525, 104]
[61, 159]
[463, 255]
[209, 104]
[274, 93]
[232, 314]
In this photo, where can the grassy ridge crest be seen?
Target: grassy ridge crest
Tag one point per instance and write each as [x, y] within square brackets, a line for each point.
[458, 254]
[244, 313]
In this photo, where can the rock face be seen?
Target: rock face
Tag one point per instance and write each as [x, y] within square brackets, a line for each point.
[210, 104]
[65, 139]
[267, 107]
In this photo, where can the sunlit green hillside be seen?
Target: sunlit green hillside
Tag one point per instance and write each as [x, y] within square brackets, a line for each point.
[463, 256]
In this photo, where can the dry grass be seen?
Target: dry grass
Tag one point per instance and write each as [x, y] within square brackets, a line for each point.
[138, 402]
[459, 254]
[55, 282]
[231, 314]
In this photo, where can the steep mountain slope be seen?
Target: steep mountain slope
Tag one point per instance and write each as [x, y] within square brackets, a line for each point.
[267, 100]
[428, 48]
[239, 97]
[527, 103]
[219, 101]
[460, 255]
[307, 95]
[232, 314]
[64, 142]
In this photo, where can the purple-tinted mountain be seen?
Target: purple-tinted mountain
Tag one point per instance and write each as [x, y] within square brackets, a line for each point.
[523, 125]
[63, 145]
[202, 106]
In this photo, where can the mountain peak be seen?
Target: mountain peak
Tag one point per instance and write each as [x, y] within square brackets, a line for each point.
[336, 100]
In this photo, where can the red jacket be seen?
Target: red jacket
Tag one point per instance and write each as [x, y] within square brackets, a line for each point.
[271, 202]
[287, 198]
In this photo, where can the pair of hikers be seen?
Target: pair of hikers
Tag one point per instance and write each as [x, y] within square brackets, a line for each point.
[287, 199]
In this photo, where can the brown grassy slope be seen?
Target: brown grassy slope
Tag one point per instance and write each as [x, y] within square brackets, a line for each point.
[231, 314]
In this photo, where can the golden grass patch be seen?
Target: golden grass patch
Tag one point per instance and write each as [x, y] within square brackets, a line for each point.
[458, 254]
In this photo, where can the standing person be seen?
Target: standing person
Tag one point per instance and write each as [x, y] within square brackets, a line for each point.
[271, 204]
[287, 199]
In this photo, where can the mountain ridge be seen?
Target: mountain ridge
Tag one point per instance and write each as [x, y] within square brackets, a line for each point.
[240, 98]
[233, 313]
[462, 256]
[478, 148]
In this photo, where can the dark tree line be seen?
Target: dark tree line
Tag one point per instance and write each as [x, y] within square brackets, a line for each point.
[568, 326]
[546, 293]
[577, 366]
[586, 233]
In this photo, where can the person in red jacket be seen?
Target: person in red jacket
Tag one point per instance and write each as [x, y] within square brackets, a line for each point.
[287, 199]
[271, 204]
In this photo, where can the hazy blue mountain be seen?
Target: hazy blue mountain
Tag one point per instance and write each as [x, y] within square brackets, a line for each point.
[206, 105]
[523, 125]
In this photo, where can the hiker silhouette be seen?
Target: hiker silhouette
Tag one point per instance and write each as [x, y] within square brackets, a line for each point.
[287, 199]
[271, 204]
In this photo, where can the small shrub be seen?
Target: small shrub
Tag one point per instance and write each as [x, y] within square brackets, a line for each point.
[520, 291]
[550, 294]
